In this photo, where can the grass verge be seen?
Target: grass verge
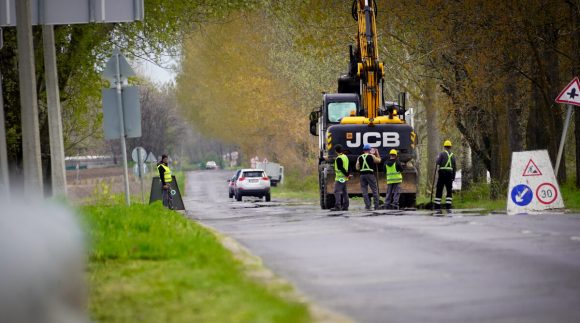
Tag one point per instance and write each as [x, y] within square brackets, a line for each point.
[149, 264]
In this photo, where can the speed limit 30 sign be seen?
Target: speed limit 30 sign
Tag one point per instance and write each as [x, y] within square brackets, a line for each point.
[546, 193]
[533, 186]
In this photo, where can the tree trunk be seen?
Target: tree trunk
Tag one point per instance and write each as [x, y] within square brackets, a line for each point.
[575, 13]
[466, 166]
[433, 141]
[514, 108]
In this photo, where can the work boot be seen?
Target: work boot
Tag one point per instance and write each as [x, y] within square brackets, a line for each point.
[334, 209]
[367, 208]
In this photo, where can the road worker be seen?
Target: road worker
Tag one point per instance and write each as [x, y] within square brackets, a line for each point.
[446, 175]
[394, 171]
[166, 179]
[366, 164]
[341, 177]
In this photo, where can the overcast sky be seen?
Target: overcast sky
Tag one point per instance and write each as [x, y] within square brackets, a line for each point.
[157, 74]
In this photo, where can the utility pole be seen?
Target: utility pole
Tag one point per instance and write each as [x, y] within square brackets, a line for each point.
[57, 166]
[28, 101]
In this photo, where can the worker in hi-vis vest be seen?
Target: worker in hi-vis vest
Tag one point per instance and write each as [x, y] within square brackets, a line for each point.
[166, 179]
[341, 177]
[447, 168]
[366, 164]
[394, 171]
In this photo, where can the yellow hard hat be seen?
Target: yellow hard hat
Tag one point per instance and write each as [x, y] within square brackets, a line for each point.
[393, 152]
[447, 143]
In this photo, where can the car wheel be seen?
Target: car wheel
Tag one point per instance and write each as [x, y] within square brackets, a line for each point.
[238, 197]
[267, 197]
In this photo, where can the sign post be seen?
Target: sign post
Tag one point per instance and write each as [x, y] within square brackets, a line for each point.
[571, 96]
[118, 70]
[139, 154]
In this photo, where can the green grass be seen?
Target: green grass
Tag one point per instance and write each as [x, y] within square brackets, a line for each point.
[571, 196]
[148, 264]
[478, 197]
[297, 187]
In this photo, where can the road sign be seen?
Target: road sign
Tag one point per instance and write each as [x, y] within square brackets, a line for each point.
[522, 195]
[139, 151]
[66, 12]
[131, 113]
[571, 96]
[151, 158]
[535, 189]
[571, 93]
[546, 193]
[532, 169]
[110, 71]
[144, 170]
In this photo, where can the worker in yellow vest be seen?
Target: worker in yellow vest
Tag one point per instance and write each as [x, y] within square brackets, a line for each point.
[394, 171]
[366, 164]
[341, 176]
[166, 179]
[446, 176]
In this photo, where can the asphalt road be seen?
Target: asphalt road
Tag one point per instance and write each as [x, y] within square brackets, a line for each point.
[410, 267]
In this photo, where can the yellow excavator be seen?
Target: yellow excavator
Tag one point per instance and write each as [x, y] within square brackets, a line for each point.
[359, 114]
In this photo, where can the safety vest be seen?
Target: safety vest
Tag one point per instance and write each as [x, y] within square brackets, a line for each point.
[167, 175]
[448, 165]
[365, 165]
[340, 176]
[393, 176]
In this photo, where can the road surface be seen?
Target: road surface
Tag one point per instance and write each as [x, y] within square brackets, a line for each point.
[406, 268]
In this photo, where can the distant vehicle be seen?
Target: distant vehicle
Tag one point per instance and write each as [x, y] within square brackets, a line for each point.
[232, 184]
[211, 165]
[273, 170]
[252, 182]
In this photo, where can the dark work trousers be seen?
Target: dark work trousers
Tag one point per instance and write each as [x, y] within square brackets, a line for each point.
[340, 195]
[369, 180]
[393, 193]
[445, 178]
[166, 197]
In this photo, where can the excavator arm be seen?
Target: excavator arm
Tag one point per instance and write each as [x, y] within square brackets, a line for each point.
[370, 71]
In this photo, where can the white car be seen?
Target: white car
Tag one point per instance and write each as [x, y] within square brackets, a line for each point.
[211, 165]
[252, 182]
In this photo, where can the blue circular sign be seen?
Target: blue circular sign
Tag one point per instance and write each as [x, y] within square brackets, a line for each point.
[522, 195]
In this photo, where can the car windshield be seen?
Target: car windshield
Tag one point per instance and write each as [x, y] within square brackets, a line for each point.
[339, 110]
[253, 174]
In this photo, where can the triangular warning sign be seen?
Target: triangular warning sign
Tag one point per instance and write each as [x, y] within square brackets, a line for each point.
[532, 169]
[570, 94]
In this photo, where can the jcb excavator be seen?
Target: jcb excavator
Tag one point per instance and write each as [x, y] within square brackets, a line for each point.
[358, 114]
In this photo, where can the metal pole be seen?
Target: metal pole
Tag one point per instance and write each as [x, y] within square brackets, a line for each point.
[563, 139]
[57, 166]
[122, 123]
[4, 180]
[28, 101]
[140, 172]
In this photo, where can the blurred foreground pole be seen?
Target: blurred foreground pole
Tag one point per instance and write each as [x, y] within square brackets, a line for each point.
[57, 167]
[28, 101]
[4, 180]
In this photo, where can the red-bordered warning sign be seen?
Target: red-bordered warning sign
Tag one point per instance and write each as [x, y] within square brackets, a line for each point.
[546, 193]
[571, 93]
[532, 169]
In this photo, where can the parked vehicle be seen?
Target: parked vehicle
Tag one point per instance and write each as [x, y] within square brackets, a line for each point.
[252, 182]
[211, 165]
[273, 170]
[232, 184]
